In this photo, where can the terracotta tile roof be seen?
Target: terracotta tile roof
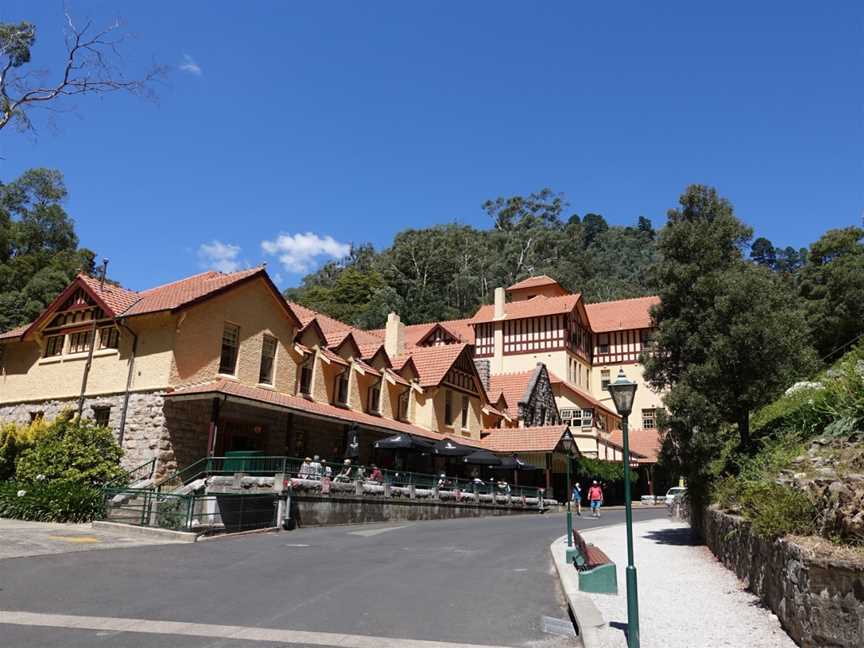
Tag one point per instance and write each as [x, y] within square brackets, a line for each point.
[535, 307]
[555, 380]
[433, 363]
[332, 328]
[414, 333]
[302, 405]
[369, 349]
[14, 333]
[369, 369]
[399, 380]
[621, 314]
[117, 298]
[523, 439]
[512, 386]
[334, 357]
[533, 282]
[645, 443]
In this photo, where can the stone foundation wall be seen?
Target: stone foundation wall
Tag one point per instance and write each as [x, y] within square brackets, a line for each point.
[820, 602]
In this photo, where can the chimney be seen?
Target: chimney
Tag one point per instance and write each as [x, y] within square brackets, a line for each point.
[394, 336]
[499, 303]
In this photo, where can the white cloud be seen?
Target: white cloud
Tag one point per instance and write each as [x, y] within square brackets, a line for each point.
[189, 65]
[299, 252]
[219, 256]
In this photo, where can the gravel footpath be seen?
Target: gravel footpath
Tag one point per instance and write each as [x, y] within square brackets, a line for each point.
[686, 598]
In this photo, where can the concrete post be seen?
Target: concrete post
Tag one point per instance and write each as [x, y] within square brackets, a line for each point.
[412, 492]
[358, 487]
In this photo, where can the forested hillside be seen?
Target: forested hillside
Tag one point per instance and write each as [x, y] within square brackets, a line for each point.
[447, 271]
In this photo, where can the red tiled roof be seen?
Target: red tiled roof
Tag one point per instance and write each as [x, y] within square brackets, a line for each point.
[332, 328]
[523, 439]
[191, 289]
[117, 298]
[621, 314]
[555, 380]
[414, 333]
[367, 368]
[397, 378]
[299, 404]
[433, 363]
[512, 386]
[534, 282]
[535, 307]
[334, 357]
[642, 442]
[14, 333]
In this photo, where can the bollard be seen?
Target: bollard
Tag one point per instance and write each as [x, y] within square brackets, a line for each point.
[358, 487]
[386, 489]
[412, 492]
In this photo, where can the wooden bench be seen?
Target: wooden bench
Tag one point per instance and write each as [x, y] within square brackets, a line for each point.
[597, 573]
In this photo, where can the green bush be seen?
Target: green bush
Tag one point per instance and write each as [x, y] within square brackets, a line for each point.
[606, 471]
[15, 438]
[50, 501]
[775, 510]
[72, 451]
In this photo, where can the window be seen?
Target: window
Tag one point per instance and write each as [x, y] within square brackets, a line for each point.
[53, 346]
[374, 398]
[649, 419]
[79, 342]
[604, 379]
[108, 337]
[36, 416]
[603, 343]
[464, 412]
[306, 378]
[342, 388]
[448, 407]
[268, 358]
[404, 399]
[587, 416]
[101, 415]
[230, 344]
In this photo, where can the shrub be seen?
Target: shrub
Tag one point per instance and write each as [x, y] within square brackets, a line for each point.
[606, 471]
[15, 438]
[72, 451]
[50, 501]
[775, 510]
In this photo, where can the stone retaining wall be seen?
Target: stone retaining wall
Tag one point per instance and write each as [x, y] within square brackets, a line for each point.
[820, 602]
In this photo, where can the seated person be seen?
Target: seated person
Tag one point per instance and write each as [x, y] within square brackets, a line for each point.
[443, 482]
[376, 475]
[345, 474]
[317, 469]
[305, 471]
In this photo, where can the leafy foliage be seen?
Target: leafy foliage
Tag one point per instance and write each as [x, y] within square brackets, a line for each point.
[50, 501]
[72, 451]
[39, 253]
[448, 271]
[14, 440]
[775, 510]
[605, 471]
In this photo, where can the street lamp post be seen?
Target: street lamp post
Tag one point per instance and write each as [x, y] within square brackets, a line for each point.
[623, 391]
[568, 444]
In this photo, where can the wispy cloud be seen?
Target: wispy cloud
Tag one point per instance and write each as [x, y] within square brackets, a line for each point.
[189, 65]
[219, 256]
[298, 253]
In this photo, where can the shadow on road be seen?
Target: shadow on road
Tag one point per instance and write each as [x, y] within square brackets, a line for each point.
[677, 537]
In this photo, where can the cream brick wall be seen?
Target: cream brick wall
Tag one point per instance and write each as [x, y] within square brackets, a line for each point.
[645, 397]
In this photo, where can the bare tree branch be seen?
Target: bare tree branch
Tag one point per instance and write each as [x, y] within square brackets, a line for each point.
[90, 68]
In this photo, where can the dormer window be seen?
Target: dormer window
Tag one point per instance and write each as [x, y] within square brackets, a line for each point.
[341, 389]
[79, 342]
[53, 346]
[305, 386]
[404, 399]
[374, 398]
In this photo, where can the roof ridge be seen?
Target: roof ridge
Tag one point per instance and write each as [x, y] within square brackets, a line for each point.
[177, 281]
[618, 301]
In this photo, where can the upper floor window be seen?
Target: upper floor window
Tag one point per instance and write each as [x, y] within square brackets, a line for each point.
[404, 400]
[374, 398]
[268, 359]
[230, 345]
[305, 387]
[603, 343]
[79, 342]
[604, 379]
[448, 407]
[53, 345]
[109, 337]
[341, 390]
[649, 419]
[464, 412]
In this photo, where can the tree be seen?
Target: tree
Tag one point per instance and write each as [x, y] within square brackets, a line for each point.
[594, 225]
[762, 252]
[729, 335]
[832, 287]
[39, 251]
[90, 68]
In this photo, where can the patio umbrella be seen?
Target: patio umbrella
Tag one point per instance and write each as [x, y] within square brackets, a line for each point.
[403, 442]
[482, 458]
[448, 448]
[514, 463]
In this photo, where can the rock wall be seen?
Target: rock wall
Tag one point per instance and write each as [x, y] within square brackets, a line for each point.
[819, 601]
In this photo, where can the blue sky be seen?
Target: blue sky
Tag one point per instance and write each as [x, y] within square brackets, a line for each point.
[287, 130]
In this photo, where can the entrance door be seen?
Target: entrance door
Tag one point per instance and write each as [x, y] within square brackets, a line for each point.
[239, 435]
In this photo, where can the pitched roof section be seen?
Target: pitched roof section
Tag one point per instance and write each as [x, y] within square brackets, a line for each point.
[533, 282]
[523, 439]
[298, 404]
[535, 307]
[642, 442]
[433, 363]
[117, 298]
[15, 333]
[461, 329]
[621, 315]
[332, 328]
[512, 386]
[555, 380]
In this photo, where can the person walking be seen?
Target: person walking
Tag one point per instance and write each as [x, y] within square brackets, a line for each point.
[576, 498]
[595, 496]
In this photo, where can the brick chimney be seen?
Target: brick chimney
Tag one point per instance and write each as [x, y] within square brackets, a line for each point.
[394, 335]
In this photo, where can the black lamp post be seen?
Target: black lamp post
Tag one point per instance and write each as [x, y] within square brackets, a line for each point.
[569, 444]
[623, 392]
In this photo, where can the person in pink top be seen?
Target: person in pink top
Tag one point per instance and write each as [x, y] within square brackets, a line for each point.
[595, 496]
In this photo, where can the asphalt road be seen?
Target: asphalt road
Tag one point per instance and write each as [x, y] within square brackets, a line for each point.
[482, 581]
